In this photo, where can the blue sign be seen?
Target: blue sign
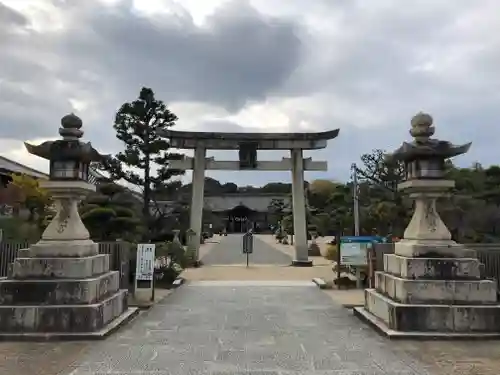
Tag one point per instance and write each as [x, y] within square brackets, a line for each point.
[353, 249]
[362, 239]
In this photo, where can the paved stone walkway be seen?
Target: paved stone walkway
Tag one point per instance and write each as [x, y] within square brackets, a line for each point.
[253, 328]
[229, 252]
[290, 249]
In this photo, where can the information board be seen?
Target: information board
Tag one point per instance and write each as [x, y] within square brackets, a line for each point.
[353, 249]
[145, 262]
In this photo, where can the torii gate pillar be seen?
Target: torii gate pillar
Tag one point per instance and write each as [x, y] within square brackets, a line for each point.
[299, 210]
[196, 213]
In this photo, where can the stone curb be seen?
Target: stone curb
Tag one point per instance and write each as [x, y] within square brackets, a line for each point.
[351, 306]
[320, 282]
[178, 282]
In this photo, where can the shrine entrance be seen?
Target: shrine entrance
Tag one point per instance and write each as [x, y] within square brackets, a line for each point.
[248, 145]
[239, 220]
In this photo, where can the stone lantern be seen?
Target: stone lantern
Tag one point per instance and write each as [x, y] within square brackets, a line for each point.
[68, 185]
[61, 287]
[424, 161]
[431, 287]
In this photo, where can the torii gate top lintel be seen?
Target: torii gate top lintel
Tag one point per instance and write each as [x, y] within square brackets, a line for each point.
[262, 141]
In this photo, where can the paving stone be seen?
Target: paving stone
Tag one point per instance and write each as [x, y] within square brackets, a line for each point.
[247, 330]
[229, 251]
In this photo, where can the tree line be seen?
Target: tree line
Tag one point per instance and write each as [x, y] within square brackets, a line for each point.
[472, 213]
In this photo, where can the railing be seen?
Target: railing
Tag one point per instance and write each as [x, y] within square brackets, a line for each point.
[8, 252]
[119, 257]
[488, 254]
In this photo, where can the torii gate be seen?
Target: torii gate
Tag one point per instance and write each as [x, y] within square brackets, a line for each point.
[248, 144]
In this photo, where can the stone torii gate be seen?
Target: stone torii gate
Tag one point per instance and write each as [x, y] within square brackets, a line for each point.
[247, 144]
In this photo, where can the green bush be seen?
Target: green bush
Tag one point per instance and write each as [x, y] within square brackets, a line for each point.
[332, 252]
[18, 229]
[166, 275]
[172, 250]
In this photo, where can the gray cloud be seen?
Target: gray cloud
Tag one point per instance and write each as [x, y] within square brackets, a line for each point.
[364, 67]
[239, 55]
[106, 54]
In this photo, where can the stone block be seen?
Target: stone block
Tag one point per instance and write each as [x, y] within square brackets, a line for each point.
[62, 318]
[58, 291]
[60, 268]
[438, 248]
[432, 317]
[436, 291]
[69, 248]
[432, 268]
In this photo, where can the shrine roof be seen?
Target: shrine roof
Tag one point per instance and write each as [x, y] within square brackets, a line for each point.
[264, 141]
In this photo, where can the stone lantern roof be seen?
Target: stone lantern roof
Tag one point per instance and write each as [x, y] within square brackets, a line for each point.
[69, 147]
[423, 146]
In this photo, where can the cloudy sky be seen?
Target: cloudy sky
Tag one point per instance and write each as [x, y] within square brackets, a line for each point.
[364, 66]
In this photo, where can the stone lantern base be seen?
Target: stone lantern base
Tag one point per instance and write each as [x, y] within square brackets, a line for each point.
[62, 298]
[432, 297]
[431, 287]
[62, 288]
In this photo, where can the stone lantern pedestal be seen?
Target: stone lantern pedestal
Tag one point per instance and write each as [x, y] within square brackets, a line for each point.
[66, 236]
[61, 287]
[426, 233]
[431, 287]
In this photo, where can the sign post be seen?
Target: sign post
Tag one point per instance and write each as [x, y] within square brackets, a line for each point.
[248, 244]
[144, 272]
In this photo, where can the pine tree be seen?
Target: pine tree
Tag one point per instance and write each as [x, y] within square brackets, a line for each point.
[138, 125]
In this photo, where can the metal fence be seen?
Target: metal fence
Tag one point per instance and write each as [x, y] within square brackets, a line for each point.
[8, 252]
[488, 254]
[119, 257]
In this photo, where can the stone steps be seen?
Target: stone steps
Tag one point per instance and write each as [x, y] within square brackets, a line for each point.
[436, 291]
[58, 291]
[59, 268]
[432, 268]
[62, 318]
[403, 317]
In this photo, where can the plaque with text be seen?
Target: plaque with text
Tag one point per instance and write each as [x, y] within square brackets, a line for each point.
[248, 155]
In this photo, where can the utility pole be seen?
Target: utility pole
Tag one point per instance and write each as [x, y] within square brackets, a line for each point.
[355, 198]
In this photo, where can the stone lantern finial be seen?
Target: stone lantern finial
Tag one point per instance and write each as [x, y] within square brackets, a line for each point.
[421, 127]
[71, 127]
